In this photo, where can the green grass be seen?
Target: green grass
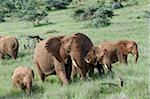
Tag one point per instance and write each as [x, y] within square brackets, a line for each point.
[125, 25]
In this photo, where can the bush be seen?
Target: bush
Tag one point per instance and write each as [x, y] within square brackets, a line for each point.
[57, 4]
[2, 16]
[98, 15]
[101, 17]
[28, 10]
[83, 14]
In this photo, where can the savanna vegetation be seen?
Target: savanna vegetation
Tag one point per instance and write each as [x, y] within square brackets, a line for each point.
[95, 18]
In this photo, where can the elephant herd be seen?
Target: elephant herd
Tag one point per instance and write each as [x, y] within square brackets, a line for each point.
[67, 56]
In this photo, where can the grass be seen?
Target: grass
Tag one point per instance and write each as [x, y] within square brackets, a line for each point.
[125, 25]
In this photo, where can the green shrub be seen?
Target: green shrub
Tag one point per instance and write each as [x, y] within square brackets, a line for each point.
[98, 15]
[57, 4]
[83, 14]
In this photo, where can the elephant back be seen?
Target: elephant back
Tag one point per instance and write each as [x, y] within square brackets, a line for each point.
[85, 42]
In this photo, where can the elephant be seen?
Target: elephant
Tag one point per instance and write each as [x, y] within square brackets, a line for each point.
[98, 57]
[22, 77]
[44, 62]
[76, 47]
[110, 52]
[84, 46]
[9, 45]
[119, 51]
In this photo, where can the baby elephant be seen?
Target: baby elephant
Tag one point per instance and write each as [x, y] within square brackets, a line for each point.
[22, 78]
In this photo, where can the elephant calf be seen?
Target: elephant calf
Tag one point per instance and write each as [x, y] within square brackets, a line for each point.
[8, 45]
[22, 78]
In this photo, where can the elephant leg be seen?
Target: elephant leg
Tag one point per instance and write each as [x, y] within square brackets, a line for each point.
[82, 73]
[42, 75]
[11, 54]
[1, 55]
[100, 69]
[78, 61]
[74, 72]
[68, 68]
[60, 71]
[126, 57]
[122, 55]
[15, 52]
[90, 69]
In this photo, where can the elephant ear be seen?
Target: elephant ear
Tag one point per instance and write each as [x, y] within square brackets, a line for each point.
[130, 44]
[105, 52]
[91, 55]
[53, 46]
[96, 49]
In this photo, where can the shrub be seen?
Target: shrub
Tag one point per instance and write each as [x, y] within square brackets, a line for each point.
[57, 4]
[2, 16]
[101, 17]
[98, 15]
[28, 10]
[82, 14]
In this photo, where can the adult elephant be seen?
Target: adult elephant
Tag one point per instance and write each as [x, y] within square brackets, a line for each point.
[8, 45]
[76, 47]
[44, 62]
[78, 54]
[109, 52]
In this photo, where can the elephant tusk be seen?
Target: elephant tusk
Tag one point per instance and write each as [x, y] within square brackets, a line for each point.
[74, 63]
[105, 66]
[86, 60]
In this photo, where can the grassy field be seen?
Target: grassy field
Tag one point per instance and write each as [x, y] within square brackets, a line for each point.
[129, 23]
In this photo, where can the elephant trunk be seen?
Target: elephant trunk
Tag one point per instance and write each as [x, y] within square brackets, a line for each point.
[136, 55]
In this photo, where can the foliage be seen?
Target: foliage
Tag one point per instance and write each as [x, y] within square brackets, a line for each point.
[31, 11]
[102, 17]
[28, 10]
[2, 16]
[99, 15]
[57, 4]
[146, 14]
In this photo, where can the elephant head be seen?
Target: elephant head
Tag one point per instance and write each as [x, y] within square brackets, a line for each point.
[75, 47]
[91, 56]
[59, 47]
[133, 49]
[98, 56]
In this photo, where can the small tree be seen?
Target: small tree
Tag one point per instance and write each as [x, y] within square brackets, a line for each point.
[30, 11]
